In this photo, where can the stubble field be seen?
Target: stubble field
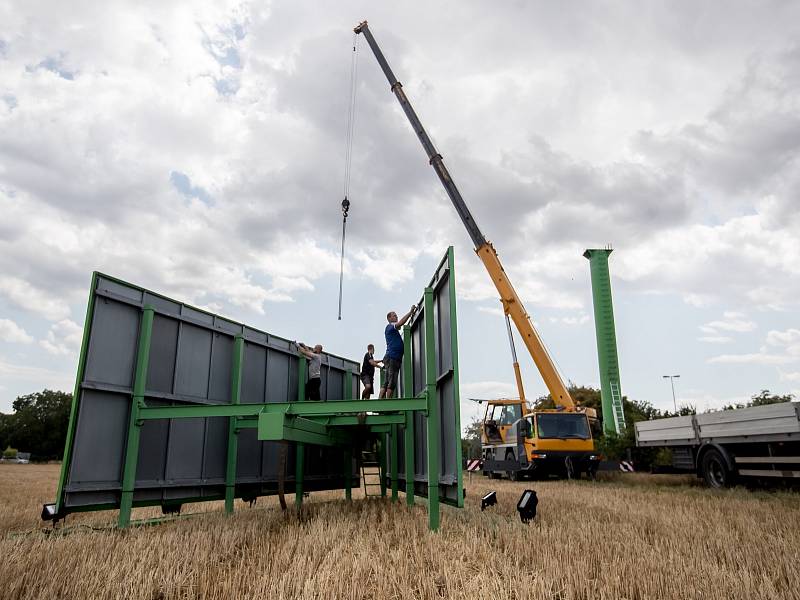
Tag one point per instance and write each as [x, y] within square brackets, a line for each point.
[638, 537]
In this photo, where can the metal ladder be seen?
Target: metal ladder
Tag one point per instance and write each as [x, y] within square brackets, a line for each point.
[616, 406]
[371, 473]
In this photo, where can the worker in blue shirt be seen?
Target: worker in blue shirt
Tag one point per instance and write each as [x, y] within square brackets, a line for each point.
[394, 351]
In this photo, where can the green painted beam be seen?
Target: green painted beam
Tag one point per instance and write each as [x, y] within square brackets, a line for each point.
[408, 431]
[331, 408]
[348, 385]
[434, 428]
[233, 441]
[345, 420]
[339, 421]
[278, 427]
[134, 423]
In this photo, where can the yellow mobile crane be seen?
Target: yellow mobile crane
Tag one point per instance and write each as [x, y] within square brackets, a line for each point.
[515, 439]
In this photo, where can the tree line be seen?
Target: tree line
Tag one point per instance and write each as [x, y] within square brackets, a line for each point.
[38, 425]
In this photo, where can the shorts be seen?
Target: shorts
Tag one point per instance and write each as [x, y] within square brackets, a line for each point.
[391, 372]
[368, 380]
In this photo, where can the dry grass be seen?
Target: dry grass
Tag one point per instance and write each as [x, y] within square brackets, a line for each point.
[642, 537]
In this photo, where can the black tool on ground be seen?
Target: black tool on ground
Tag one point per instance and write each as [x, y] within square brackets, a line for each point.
[489, 499]
[526, 507]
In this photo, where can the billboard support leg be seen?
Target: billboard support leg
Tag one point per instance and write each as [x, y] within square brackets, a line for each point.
[134, 425]
[408, 432]
[348, 474]
[431, 369]
[299, 469]
[233, 440]
[393, 436]
[382, 462]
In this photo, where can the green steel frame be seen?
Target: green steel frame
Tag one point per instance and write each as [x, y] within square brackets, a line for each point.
[302, 422]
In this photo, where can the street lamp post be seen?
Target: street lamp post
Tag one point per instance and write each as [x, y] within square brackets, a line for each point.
[672, 383]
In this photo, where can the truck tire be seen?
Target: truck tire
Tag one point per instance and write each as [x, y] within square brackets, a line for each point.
[512, 475]
[714, 470]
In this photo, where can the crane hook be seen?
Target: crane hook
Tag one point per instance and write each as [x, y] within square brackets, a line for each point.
[345, 207]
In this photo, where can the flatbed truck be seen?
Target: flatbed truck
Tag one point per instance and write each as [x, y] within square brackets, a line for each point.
[731, 446]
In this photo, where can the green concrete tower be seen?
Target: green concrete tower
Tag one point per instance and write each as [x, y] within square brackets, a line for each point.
[610, 389]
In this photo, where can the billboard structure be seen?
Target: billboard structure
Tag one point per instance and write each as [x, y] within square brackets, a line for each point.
[174, 404]
[430, 369]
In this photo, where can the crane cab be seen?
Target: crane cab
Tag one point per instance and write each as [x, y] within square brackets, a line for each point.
[518, 442]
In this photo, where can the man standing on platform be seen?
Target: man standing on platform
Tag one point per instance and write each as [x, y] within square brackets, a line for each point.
[314, 357]
[394, 351]
[368, 372]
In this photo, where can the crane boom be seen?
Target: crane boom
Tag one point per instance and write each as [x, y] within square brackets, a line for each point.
[512, 304]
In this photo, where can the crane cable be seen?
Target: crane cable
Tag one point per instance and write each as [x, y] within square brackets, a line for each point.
[348, 158]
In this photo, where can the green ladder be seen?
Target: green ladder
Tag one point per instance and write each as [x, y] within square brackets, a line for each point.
[371, 473]
[616, 404]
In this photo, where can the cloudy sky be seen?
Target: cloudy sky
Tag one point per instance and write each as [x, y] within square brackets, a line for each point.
[197, 149]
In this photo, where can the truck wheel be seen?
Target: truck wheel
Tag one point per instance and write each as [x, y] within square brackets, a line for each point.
[715, 470]
[512, 475]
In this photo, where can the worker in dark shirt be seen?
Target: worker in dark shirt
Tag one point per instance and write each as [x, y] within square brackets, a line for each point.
[394, 351]
[368, 372]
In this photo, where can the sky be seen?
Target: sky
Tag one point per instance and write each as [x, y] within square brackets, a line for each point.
[198, 149]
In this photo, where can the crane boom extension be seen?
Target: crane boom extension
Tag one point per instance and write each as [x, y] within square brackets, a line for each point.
[486, 252]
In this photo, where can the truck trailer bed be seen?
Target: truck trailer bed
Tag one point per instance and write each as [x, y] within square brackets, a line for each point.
[769, 423]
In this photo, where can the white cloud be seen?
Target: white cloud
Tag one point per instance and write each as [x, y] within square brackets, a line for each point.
[789, 376]
[64, 338]
[715, 339]
[731, 321]
[13, 333]
[36, 377]
[753, 359]
[23, 295]
[788, 341]
[573, 320]
[492, 310]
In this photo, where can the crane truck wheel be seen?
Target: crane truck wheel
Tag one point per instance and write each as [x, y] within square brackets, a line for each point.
[715, 471]
[512, 475]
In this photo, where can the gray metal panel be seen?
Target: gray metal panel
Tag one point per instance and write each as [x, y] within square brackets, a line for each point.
[221, 366]
[253, 374]
[279, 377]
[194, 361]
[215, 453]
[185, 453]
[102, 425]
[191, 358]
[163, 350]
[112, 343]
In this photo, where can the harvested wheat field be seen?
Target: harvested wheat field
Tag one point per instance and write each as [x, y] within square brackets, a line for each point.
[637, 537]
